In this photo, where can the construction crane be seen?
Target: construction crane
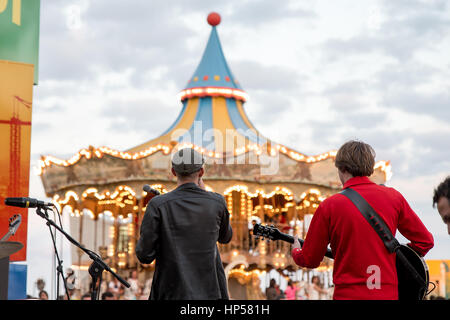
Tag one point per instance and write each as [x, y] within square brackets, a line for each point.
[15, 144]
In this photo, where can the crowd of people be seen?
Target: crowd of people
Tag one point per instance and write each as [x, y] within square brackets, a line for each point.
[109, 290]
[114, 290]
[299, 290]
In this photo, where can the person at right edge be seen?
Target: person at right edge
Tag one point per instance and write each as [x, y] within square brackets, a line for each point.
[441, 198]
[180, 229]
[356, 247]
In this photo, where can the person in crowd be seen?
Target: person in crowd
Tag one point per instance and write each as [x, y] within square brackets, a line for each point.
[132, 291]
[133, 280]
[330, 292]
[252, 240]
[147, 287]
[280, 293]
[114, 286]
[86, 296]
[253, 288]
[441, 198]
[315, 291]
[291, 290]
[108, 296]
[70, 280]
[104, 286]
[74, 294]
[43, 295]
[276, 219]
[140, 294]
[272, 292]
[121, 293]
[301, 292]
[356, 246]
[180, 229]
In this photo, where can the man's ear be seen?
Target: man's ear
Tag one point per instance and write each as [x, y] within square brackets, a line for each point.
[173, 172]
[201, 172]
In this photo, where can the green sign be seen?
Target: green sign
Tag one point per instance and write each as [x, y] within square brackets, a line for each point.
[19, 32]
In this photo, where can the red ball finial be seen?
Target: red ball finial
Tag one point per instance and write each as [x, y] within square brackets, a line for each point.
[213, 19]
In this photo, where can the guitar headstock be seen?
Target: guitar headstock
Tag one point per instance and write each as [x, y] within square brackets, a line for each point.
[268, 232]
[14, 223]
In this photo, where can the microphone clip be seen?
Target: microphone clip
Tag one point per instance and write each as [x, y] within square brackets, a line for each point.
[42, 214]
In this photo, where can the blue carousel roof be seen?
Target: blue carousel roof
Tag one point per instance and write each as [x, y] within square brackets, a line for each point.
[212, 115]
[213, 70]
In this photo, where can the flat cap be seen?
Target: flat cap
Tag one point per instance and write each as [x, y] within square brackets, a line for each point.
[186, 161]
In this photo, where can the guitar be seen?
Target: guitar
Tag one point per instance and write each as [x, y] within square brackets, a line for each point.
[273, 233]
[409, 288]
[14, 223]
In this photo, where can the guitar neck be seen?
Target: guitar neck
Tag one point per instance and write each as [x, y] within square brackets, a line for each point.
[6, 236]
[290, 239]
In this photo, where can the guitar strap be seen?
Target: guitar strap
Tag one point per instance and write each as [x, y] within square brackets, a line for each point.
[381, 229]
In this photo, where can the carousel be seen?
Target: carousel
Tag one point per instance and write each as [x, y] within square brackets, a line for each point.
[100, 189]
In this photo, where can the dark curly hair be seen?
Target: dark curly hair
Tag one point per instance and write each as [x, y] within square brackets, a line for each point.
[442, 190]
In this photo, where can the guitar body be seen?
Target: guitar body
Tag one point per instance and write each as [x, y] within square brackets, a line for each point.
[408, 287]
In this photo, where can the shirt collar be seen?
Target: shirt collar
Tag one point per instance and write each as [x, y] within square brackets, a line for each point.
[188, 185]
[355, 181]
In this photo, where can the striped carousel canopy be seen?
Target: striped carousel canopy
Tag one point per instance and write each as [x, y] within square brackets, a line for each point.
[212, 117]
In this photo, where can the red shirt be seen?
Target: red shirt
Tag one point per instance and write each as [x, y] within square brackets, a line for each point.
[356, 246]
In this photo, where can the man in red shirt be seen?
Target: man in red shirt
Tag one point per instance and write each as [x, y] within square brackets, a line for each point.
[359, 253]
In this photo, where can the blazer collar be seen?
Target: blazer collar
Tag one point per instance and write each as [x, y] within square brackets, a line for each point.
[189, 185]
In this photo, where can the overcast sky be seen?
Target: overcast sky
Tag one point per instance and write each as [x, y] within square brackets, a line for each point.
[317, 72]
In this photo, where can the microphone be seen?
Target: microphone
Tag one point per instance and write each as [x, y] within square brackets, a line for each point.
[149, 189]
[27, 203]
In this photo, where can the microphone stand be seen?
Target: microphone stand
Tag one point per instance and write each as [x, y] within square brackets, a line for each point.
[98, 265]
[59, 268]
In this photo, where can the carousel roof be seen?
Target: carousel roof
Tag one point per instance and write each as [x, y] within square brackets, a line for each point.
[213, 69]
[212, 117]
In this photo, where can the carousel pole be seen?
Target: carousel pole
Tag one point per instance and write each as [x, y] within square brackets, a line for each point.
[103, 229]
[115, 239]
[80, 237]
[95, 228]
[262, 244]
[242, 225]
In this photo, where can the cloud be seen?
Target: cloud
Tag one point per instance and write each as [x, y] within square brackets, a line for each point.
[407, 28]
[256, 13]
[139, 41]
[256, 76]
[436, 104]
[405, 75]
[136, 115]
